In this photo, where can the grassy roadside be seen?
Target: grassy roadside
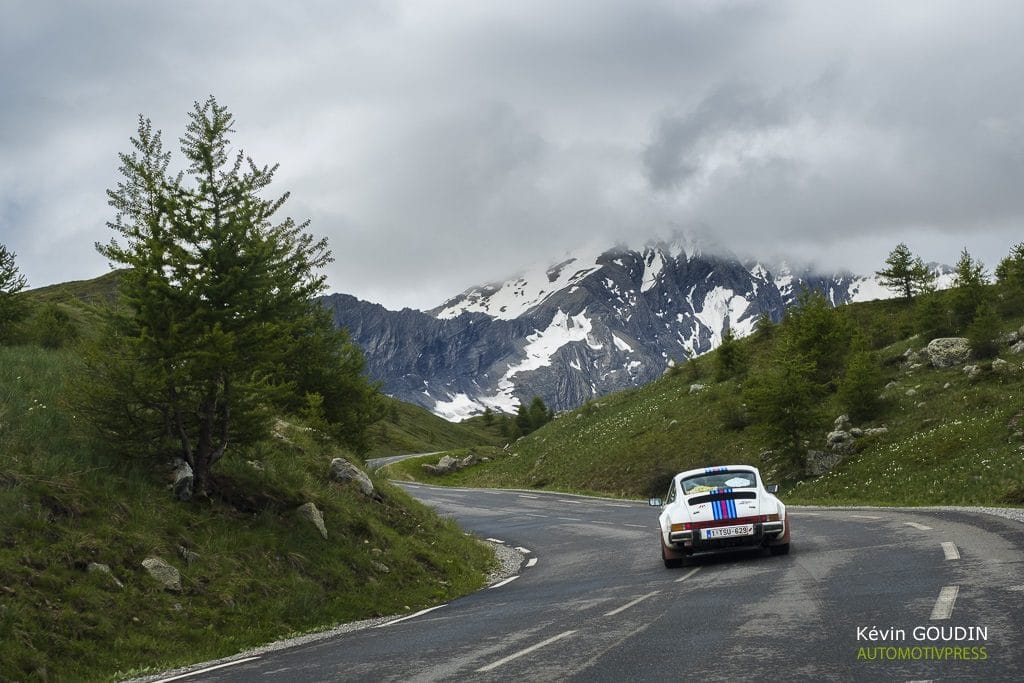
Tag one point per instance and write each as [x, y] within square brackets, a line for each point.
[259, 570]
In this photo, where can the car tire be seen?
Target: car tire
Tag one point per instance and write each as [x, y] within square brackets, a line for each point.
[670, 562]
[781, 549]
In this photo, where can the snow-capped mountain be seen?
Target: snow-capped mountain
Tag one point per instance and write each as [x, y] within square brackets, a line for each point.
[586, 326]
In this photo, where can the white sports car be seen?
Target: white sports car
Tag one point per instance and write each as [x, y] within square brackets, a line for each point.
[720, 507]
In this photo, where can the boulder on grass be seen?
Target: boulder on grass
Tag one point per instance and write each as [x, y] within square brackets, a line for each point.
[945, 352]
[311, 512]
[166, 575]
[343, 470]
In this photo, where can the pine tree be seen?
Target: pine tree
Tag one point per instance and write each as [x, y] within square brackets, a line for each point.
[729, 358]
[819, 333]
[1010, 277]
[12, 307]
[983, 333]
[218, 316]
[931, 317]
[968, 290]
[784, 400]
[906, 273]
[860, 388]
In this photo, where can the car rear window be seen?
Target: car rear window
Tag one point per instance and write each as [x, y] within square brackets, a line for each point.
[702, 483]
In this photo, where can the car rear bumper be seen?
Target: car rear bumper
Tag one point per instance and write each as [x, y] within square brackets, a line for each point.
[765, 533]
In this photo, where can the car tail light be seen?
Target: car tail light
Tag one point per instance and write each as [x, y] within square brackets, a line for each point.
[685, 526]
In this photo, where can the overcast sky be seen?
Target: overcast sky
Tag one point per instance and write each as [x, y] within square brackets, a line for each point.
[442, 144]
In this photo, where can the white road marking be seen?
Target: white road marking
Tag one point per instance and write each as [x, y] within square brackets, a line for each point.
[944, 605]
[574, 502]
[207, 669]
[1016, 588]
[921, 527]
[616, 505]
[801, 512]
[598, 522]
[949, 549]
[687, 575]
[531, 562]
[505, 660]
[638, 526]
[630, 604]
[571, 519]
[525, 551]
[533, 514]
[523, 495]
[864, 517]
[410, 616]
[506, 581]
[496, 540]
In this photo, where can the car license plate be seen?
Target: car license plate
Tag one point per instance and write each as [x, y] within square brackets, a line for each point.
[728, 531]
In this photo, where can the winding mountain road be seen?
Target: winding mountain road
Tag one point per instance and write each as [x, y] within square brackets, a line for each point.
[593, 602]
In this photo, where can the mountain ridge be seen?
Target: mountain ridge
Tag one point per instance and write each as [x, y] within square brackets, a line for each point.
[578, 329]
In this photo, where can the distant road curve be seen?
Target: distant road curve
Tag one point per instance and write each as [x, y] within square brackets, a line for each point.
[377, 463]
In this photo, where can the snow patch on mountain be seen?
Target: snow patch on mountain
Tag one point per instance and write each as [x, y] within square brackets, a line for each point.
[513, 298]
[723, 310]
[542, 345]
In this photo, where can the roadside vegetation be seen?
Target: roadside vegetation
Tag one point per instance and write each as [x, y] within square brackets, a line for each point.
[187, 411]
[932, 435]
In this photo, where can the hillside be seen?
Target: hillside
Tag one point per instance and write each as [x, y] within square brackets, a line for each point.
[949, 439]
[77, 603]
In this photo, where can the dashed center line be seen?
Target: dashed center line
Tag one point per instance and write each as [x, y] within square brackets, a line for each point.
[505, 582]
[572, 502]
[950, 550]
[687, 575]
[920, 527]
[636, 526]
[531, 562]
[505, 660]
[944, 605]
[864, 517]
[523, 495]
[571, 519]
[630, 604]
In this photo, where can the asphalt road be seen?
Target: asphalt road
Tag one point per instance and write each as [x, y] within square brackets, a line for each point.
[595, 603]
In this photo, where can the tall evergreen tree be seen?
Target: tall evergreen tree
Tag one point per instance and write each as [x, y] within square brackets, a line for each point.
[983, 332]
[906, 273]
[729, 358]
[1010, 277]
[968, 290]
[820, 333]
[784, 400]
[218, 311]
[12, 308]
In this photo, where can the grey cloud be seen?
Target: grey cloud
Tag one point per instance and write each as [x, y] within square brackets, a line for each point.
[442, 144]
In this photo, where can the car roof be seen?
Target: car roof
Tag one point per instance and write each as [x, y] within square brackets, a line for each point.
[717, 468]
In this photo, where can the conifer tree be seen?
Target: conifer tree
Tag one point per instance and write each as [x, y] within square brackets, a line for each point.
[968, 290]
[983, 332]
[1010, 277]
[12, 308]
[218, 312]
[906, 273]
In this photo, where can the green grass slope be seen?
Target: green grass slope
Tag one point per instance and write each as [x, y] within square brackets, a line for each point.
[950, 439]
[260, 570]
[406, 428]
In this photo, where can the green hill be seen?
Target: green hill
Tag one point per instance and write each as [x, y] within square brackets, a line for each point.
[76, 602]
[948, 439]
